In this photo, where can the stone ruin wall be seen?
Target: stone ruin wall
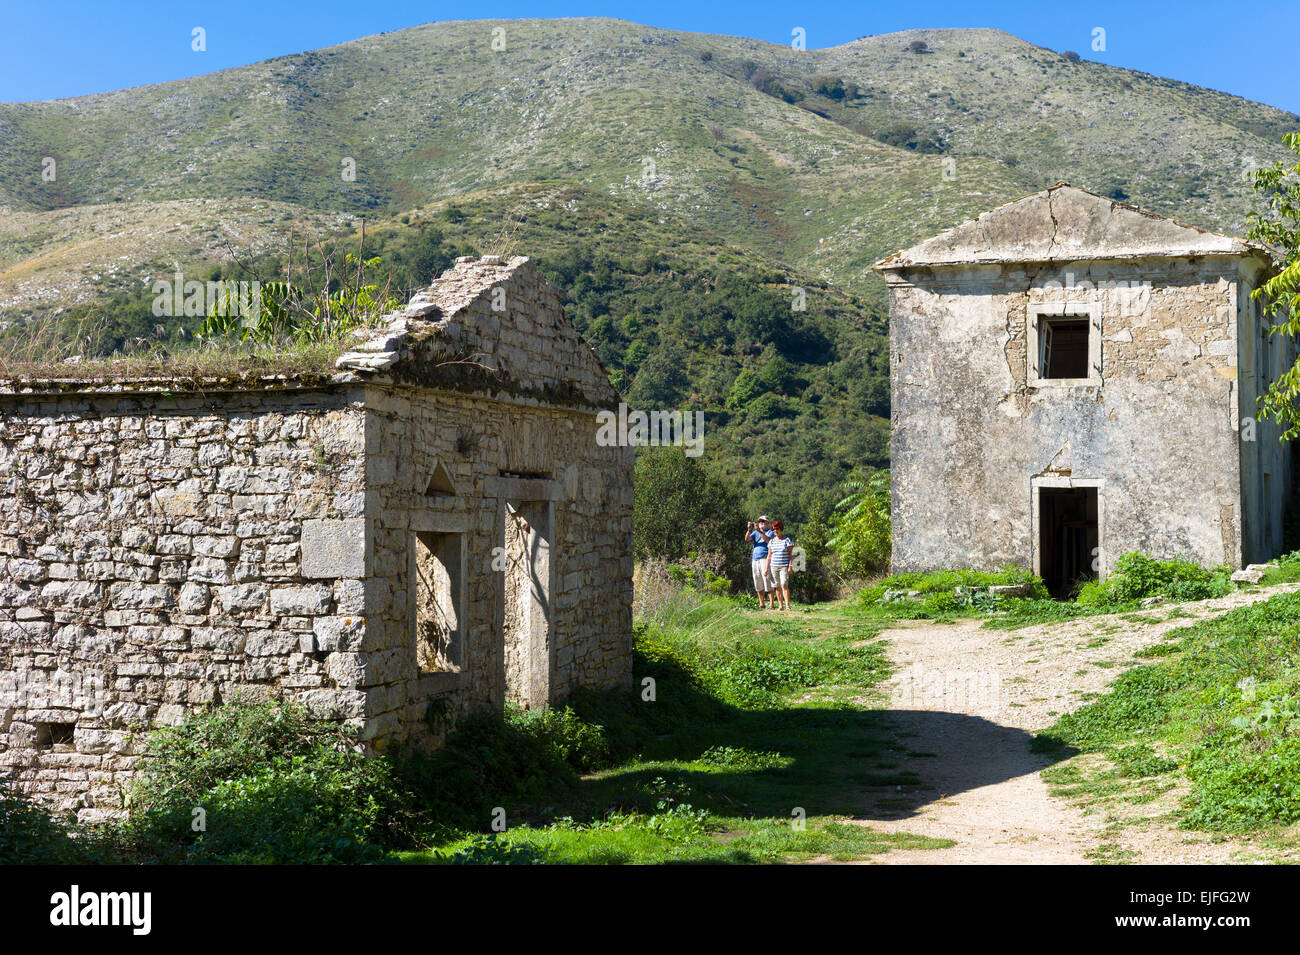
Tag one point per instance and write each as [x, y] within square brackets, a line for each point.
[152, 563]
[162, 552]
[477, 442]
[969, 431]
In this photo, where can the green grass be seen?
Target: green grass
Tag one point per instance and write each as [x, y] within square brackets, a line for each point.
[684, 837]
[1219, 708]
[1030, 612]
[763, 743]
[1286, 571]
[935, 581]
[770, 741]
[180, 365]
[1136, 576]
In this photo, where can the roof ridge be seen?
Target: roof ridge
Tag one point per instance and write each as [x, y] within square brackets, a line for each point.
[436, 304]
[989, 240]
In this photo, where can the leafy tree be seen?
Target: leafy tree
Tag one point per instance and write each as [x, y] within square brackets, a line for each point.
[829, 86]
[680, 506]
[907, 136]
[769, 406]
[777, 374]
[744, 389]
[662, 380]
[861, 525]
[30, 835]
[1279, 225]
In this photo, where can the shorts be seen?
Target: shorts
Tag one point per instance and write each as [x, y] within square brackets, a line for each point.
[779, 576]
[761, 583]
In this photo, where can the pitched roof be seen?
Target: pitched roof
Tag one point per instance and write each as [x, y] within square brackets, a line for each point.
[1065, 224]
[489, 324]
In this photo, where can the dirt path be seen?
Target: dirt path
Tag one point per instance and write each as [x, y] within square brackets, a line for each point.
[967, 701]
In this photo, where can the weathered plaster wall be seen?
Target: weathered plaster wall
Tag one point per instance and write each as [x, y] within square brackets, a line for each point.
[152, 561]
[1159, 432]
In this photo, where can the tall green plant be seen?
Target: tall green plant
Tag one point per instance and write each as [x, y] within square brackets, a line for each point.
[860, 532]
[327, 302]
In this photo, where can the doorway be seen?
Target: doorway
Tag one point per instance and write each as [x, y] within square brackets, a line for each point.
[526, 631]
[1067, 538]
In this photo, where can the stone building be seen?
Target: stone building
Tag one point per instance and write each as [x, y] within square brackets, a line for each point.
[1074, 379]
[434, 528]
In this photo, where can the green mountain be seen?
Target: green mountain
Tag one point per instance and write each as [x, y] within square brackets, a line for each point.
[681, 187]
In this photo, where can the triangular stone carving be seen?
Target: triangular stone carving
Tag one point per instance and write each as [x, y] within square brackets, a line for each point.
[439, 481]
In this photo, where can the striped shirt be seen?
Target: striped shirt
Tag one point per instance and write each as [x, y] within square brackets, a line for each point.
[779, 548]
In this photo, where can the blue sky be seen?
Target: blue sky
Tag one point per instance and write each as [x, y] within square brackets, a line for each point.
[53, 49]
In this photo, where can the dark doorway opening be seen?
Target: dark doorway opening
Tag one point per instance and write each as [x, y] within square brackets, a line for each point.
[1067, 537]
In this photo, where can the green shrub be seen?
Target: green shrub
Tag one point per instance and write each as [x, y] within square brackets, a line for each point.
[941, 604]
[491, 850]
[831, 87]
[29, 835]
[1137, 576]
[581, 744]
[486, 759]
[695, 573]
[313, 814]
[265, 783]
[184, 762]
[740, 757]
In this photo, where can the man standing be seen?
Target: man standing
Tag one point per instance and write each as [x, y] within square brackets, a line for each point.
[758, 535]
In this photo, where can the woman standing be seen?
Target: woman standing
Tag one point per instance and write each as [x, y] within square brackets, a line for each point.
[778, 565]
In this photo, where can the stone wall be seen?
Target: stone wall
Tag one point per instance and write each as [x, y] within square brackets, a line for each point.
[434, 530]
[151, 555]
[1160, 430]
[545, 462]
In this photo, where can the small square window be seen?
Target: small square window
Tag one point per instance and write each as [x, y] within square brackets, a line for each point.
[1063, 346]
[49, 735]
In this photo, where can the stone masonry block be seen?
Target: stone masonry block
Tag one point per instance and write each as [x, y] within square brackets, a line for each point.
[334, 548]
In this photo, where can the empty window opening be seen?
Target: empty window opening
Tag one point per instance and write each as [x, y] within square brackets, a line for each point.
[439, 599]
[439, 482]
[49, 735]
[527, 475]
[1063, 347]
[1067, 528]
